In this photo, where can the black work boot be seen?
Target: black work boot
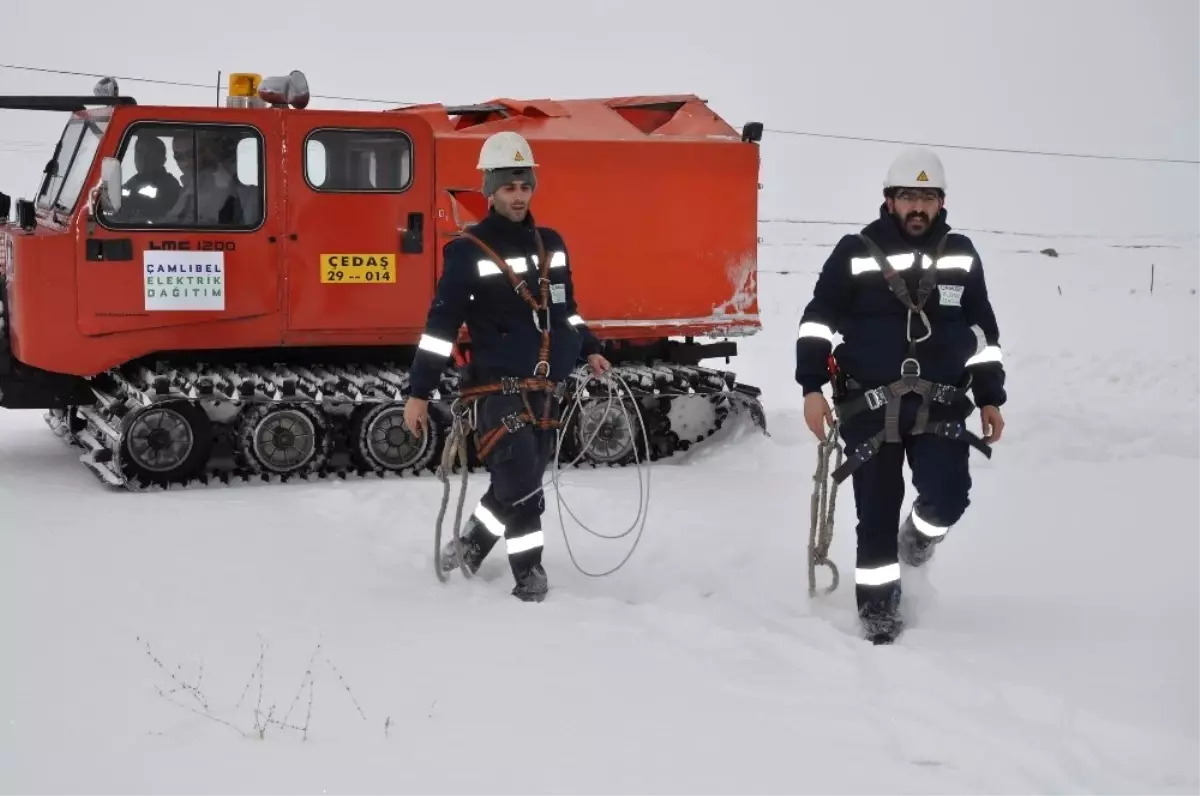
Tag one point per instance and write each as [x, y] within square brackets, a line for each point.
[880, 616]
[915, 547]
[531, 584]
[469, 550]
[460, 552]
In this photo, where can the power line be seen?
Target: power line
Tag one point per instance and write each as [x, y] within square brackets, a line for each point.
[984, 230]
[158, 81]
[984, 148]
[836, 136]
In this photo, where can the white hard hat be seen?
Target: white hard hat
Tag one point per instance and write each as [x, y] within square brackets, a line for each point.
[916, 168]
[507, 150]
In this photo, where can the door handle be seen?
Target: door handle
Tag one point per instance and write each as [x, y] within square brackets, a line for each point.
[412, 238]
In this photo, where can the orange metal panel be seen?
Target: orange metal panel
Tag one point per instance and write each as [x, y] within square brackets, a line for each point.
[343, 263]
[656, 197]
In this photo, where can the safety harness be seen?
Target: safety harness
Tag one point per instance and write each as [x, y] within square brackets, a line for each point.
[888, 396]
[510, 385]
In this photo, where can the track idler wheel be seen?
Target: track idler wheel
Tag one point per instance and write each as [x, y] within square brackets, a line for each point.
[608, 431]
[287, 439]
[165, 443]
[382, 441]
[695, 417]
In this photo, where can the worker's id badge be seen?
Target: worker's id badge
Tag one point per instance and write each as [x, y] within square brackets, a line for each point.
[558, 293]
[950, 295]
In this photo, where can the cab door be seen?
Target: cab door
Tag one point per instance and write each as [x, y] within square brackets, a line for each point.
[358, 245]
[180, 262]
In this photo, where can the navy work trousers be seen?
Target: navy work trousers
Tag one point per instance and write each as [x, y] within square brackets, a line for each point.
[513, 505]
[941, 478]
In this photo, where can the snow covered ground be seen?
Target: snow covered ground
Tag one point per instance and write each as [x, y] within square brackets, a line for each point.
[1053, 644]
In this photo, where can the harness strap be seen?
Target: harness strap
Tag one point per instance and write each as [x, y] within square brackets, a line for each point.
[514, 421]
[899, 287]
[896, 282]
[519, 284]
[885, 395]
[542, 304]
[508, 385]
[871, 446]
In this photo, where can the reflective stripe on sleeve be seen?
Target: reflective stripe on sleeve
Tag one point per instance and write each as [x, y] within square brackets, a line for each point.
[436, 345]
[814, 329]
[991, 353]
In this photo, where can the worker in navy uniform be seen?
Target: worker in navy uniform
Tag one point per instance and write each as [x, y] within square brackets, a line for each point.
[920, 351]
[506, 342]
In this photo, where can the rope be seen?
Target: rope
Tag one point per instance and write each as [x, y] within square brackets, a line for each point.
[823, 507]
[824, 500]
[455, 451]
[639, 520]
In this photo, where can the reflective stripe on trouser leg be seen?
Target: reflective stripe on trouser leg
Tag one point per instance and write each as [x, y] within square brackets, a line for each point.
[927, 528]
[489, 520]
[485, 527]
[877, 589]
[877, 576]
[524, 550]
[533, 540]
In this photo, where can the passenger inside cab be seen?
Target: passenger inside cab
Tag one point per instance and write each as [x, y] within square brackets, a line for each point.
[213, 193]
[152, 190]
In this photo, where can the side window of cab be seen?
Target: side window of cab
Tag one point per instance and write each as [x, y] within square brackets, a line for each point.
[189, 176]
[358, 161]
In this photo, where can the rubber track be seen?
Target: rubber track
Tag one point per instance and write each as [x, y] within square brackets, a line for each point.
[225, 404]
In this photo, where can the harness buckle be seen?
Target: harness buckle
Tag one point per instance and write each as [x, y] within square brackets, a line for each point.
[953, 430]
[510, 385]
[513, 422]
[943, 393]
[875, 398]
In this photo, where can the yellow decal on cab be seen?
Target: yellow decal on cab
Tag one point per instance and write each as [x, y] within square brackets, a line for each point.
[357, 269]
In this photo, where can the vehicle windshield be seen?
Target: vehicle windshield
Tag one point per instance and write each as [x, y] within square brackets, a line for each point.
[69, 166]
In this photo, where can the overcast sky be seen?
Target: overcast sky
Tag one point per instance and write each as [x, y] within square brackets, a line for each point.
[1099, 77]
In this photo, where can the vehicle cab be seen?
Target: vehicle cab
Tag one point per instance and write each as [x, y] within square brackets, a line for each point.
[257, 224]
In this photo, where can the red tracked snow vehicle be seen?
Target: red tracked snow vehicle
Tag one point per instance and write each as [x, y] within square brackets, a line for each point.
[180, 333]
